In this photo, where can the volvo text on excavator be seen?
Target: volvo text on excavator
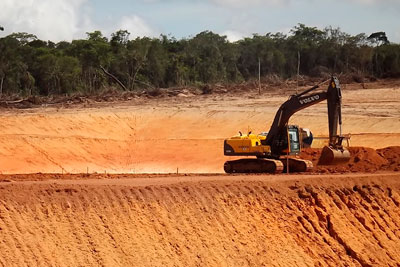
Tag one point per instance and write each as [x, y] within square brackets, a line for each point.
[272, 151]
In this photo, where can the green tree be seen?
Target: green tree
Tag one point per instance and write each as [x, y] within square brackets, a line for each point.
[29, 65]
[13, 67]
[205, 59]
[92, 53]
[157, 64]
[119, 40]
[305, 41]
[378, 39]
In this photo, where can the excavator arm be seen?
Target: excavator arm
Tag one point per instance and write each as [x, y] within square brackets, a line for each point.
[304, 100]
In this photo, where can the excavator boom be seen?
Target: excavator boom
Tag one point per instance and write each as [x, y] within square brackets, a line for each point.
[334, 153]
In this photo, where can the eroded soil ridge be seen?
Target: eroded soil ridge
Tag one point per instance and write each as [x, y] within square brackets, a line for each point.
[332, 222]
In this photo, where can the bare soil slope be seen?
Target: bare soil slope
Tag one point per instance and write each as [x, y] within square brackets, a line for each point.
[347, 220]
[177, 133]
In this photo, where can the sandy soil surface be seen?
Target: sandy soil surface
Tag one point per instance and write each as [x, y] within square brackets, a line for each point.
[251, 220]
[336, 216]
[183, 134]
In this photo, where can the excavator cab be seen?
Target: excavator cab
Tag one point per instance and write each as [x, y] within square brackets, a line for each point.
[294, 140]
[287, 142]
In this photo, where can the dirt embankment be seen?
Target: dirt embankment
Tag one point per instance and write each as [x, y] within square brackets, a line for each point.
[332, 221]
[166, 135]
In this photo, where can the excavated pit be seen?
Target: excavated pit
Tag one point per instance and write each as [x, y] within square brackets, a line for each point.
[345, 215]
[170, 135]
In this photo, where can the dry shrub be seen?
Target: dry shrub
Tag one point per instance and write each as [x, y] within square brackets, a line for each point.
[206, 89]
[273, 80]
[321, 72]
[352, 77]
[358, 77]
[154, 92]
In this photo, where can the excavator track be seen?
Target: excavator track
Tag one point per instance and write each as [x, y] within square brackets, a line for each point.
[252, 165]
[297, 165]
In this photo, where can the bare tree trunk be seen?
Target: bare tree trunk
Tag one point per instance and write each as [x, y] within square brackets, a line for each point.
[259, 76]
[89, 77]
[137, 71]
[298, 70]
[95, 82]
[130, 79]
[378, 68]
[1, 86]
[334, 64]
[114, 78]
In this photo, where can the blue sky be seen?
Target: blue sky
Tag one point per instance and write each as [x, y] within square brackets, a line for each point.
[69, 19]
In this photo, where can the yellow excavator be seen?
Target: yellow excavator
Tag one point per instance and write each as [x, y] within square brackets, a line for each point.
[274, 151]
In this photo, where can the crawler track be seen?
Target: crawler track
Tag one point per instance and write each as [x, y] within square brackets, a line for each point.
[253, 165]
[297, 165]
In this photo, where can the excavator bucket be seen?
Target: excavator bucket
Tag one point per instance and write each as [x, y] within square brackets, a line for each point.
[332, 156]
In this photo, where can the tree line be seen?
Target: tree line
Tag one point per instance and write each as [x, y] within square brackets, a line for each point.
[30, 66]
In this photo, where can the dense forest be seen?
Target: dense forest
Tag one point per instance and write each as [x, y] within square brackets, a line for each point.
[29, 66]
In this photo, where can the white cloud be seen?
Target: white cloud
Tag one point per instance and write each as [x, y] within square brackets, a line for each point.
[248, 3]
[137, 27]
[58, 20]
[54, 20]
[373, 1]
[233, 36]
[391, 4]
[69, 19]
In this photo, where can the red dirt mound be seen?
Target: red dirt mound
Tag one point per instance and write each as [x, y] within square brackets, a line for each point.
[365, 159]
[392, 155]
[362, 159]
